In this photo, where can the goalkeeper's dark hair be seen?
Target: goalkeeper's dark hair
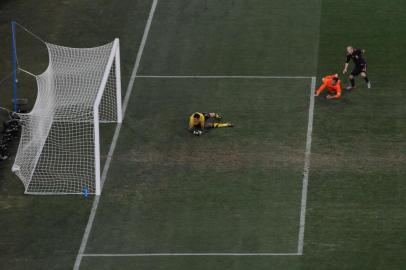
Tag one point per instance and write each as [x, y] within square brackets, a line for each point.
[196, 115]
[336, 78]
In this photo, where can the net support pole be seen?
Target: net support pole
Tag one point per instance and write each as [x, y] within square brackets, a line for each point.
[118, 81]
[14, 63]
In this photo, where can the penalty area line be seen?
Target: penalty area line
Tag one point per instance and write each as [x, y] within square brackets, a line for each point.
[96, 201]
[186, 254]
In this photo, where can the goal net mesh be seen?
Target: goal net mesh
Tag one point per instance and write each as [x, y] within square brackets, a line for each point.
[57, 153]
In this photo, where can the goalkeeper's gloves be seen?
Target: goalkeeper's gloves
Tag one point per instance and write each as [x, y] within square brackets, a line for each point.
[197, 132]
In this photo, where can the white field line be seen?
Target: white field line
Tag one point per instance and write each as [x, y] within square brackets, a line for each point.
[115, 137]
[220, 77]
[306, 168]
[187, 254]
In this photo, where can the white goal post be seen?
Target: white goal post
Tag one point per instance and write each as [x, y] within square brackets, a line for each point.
[59, 150]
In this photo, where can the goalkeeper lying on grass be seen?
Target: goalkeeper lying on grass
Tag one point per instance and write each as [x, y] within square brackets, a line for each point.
[198, 122]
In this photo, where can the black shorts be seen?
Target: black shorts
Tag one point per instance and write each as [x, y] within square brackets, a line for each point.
[196, 127]
[359, 69]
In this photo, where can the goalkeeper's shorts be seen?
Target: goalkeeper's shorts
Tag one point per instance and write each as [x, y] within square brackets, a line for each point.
[196, 127]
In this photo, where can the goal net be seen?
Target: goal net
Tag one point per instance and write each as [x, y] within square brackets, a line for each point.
[59, 150]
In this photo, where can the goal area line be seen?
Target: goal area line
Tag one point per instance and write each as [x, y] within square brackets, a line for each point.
[305, 180]
[185, 254]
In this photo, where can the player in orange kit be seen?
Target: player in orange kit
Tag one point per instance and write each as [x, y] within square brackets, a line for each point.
[333, 84]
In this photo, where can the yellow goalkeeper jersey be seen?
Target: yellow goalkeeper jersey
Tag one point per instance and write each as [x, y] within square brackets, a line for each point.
[193, 122]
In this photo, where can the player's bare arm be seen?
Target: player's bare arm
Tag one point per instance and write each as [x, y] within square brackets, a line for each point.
[345, 68]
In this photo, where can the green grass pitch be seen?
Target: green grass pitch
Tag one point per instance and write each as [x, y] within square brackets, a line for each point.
[234, 190]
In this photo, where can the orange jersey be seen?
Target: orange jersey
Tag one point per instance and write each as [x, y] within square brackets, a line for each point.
[332, 89]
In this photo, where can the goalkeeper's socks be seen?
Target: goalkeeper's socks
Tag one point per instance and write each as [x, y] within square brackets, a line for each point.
[222, 125]
[352, 81]
[366, 79]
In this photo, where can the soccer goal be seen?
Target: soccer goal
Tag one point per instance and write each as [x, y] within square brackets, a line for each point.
[59, 150]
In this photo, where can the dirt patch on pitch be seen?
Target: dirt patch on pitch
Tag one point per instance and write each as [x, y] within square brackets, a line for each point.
[358, 161]
[274, 156]
[280, 156]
